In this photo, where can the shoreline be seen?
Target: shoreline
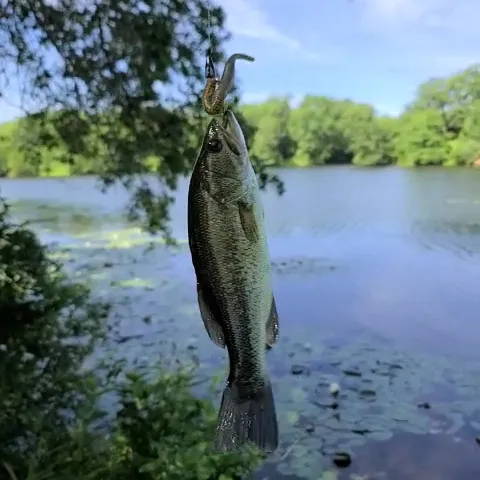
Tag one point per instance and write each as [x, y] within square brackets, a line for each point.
[276, 168]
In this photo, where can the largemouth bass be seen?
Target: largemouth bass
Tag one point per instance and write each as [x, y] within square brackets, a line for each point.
[230, 256]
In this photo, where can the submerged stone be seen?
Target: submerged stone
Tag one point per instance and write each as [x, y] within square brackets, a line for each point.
[342, 459]
[299, 370]
[367, 393]
[334, 389]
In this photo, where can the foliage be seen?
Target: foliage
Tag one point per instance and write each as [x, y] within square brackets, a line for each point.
[113, 87]
[163, 432]
[439, 128]
[51, 425]
[47, 329]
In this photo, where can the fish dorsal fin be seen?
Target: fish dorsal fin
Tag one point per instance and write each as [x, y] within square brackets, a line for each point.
[272, 327]
[213, 327]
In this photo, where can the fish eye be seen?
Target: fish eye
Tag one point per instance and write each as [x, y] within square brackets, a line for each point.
[214, 145]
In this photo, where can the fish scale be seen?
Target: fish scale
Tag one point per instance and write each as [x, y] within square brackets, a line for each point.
[230, 256]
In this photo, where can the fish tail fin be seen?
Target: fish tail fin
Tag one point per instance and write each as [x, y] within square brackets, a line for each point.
[247, 418]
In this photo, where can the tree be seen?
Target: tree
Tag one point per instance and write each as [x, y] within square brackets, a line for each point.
[420, 140]
[369, 140]
[466, 149]
[315, 128]
[121, 99]
[271, 141]
[439, 127]
[113, 83]
[451, 96]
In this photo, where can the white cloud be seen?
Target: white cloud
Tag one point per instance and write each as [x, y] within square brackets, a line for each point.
[438, 36]
[396, 12]
[456, 17]
[245, 18]
[451, 62]
[449, 15]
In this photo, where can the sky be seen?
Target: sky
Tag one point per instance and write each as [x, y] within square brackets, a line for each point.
[371, 51]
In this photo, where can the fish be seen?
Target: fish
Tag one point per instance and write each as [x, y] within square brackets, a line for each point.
[229, 250]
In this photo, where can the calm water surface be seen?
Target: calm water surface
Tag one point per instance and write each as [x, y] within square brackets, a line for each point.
[377, 279]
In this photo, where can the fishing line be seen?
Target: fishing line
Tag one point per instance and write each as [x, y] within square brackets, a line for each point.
[209, 67]
[209, 27]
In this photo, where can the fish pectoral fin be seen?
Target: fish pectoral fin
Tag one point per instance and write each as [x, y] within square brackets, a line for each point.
[214, 329]
[248, 221]
[272, 327]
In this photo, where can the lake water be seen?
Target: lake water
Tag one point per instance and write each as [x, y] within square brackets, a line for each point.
[377, 281]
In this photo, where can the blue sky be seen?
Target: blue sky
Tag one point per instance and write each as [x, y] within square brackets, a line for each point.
[374, 51]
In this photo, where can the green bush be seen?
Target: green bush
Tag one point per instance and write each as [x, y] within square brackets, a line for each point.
[51, 425]
[47, 329]
[163, 432]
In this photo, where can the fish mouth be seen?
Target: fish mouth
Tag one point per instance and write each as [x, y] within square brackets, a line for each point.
[232, 133]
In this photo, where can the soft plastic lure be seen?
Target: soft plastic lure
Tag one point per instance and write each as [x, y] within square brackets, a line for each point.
[216, 89]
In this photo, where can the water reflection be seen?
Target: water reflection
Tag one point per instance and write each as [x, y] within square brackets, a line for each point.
[404, 456]
[387, 256]
[65, 218]
[417, 457]
[459, 238]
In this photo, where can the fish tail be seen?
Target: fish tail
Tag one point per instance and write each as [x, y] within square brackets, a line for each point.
[247, 418]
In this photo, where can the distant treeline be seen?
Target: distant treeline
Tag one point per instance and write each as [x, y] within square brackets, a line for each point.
[440, 127]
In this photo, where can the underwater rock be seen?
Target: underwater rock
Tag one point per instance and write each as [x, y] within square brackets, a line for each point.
[334, 389]
[299, 370]
[361, 431]
[367, 393]
[126, 338]
[342, 459]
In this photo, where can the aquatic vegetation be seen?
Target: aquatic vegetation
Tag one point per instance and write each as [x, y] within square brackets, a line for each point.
[385, 394]
[52, 421]
[381, 394]
[382, 391]
[302, 266]
[62, 216]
